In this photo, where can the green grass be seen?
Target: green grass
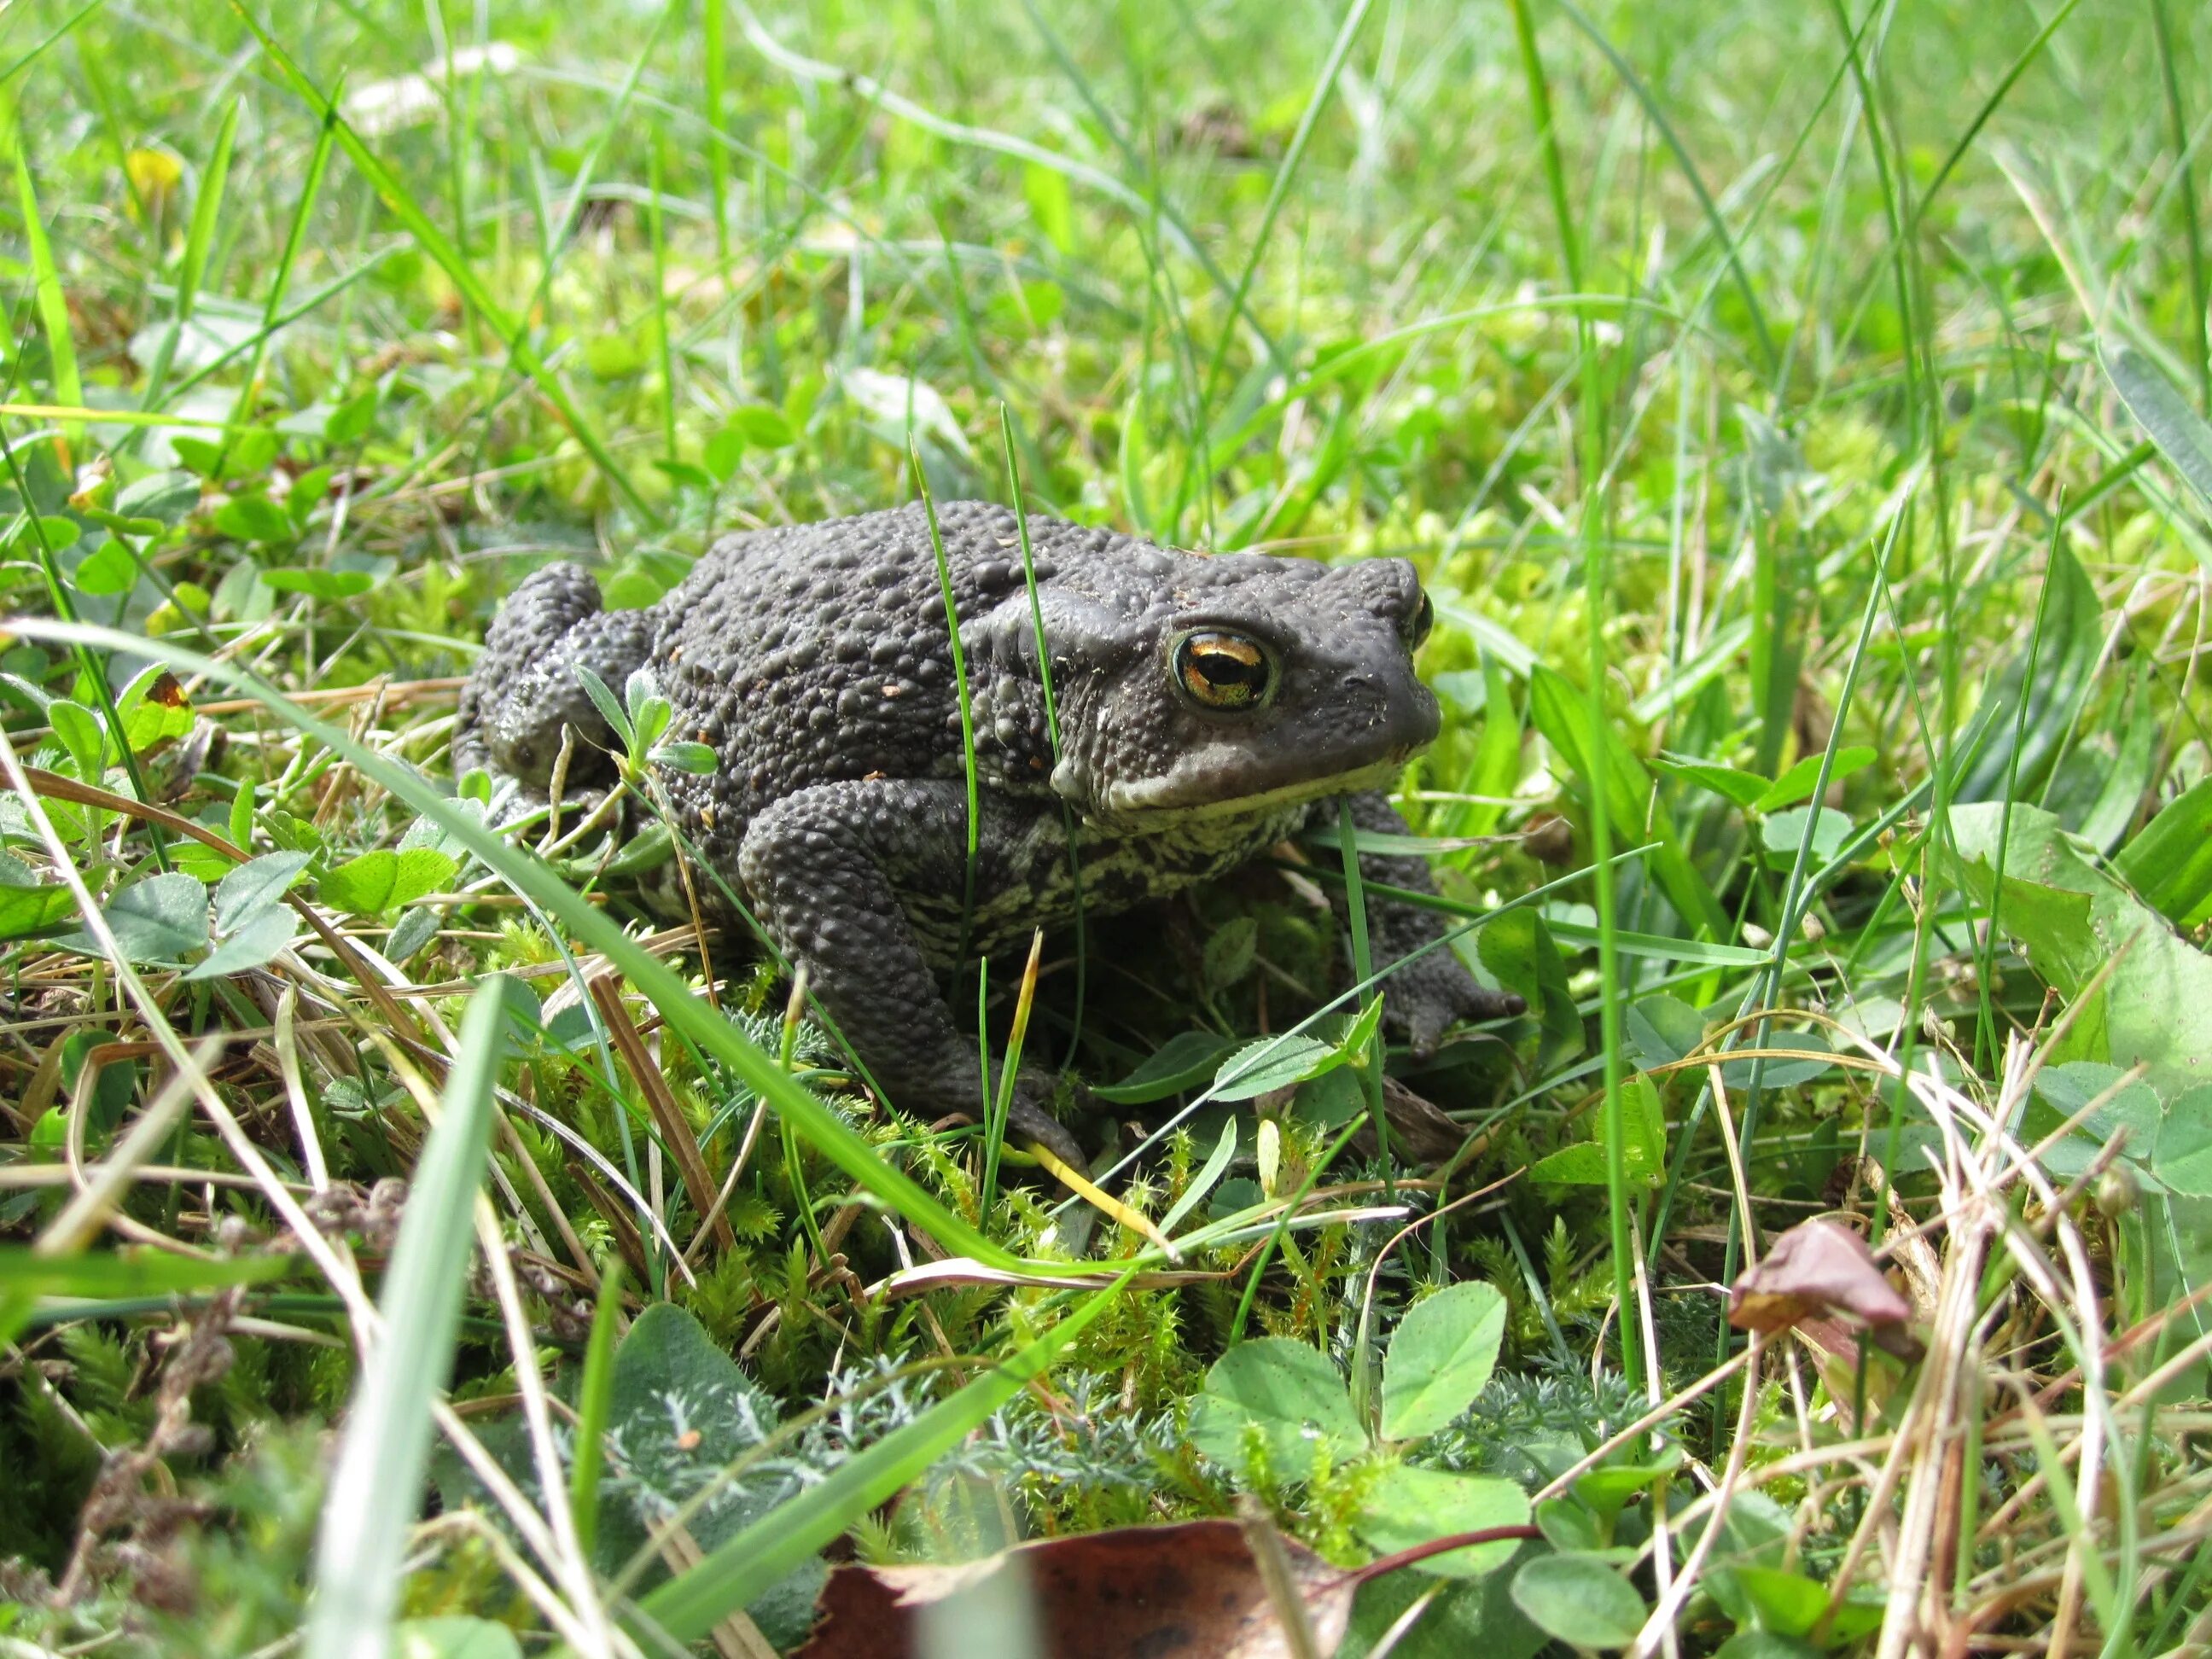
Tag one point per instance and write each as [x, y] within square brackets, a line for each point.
[1797, 415]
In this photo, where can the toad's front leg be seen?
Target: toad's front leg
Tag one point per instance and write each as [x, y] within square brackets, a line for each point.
[1433, 991]
[826, 870]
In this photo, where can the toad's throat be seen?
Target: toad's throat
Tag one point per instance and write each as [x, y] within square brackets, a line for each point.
[1151, 803]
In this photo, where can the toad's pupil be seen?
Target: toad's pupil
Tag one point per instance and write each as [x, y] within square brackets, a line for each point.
[1224, 670]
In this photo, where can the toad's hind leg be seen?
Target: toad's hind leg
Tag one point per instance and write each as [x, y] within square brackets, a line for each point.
[524, 702]
[824, 869]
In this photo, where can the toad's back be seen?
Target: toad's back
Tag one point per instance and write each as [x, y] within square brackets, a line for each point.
[813, 654]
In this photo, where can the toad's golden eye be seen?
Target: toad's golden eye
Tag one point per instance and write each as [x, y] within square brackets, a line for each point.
[1219, 670]
[1424, 620]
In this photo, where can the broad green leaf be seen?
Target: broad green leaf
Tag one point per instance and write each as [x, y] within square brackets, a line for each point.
[1582, 1164]
[81, 735]
[666, 1370]
[1786, 1604]
[724, 450]
[255, 885]
[2063, 661]
[383, 880]
[1183, 1061]
[1473, 1618]
[1799, 782]
[453, 1636]
[26, 909]
[2178, 431]
[1764, 1645]
[764, 426]
[2183, 1159]
[1050, 205]
[351, 421]
[1663, 1029]
[1780, 1073]
[1406, 1507]
[1518, 949]
[2121, 1106]
[1785, 832]
[1562, 714]
[255, 518]
[2075, 921]
[698, 759]
[1289, 1394]
[1231, 950]
[1607, 1488]
[376, 1488]
[167, 496]
[414, 930]
[1579, 1601]
[1440, 1357]
[1275, 1062]
[163, 918]
[685, 474]
[255, 941]
[333, 585]
[154, 709]
[1744, 788]
[108, 569]
[1643, 1118]
[2170, 861]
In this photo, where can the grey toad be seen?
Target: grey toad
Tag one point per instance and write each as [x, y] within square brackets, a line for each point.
[1207, 706]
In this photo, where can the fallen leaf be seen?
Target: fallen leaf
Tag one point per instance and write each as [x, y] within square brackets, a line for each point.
[1180, 1592]
[1191, 1591]
[1816, 1268]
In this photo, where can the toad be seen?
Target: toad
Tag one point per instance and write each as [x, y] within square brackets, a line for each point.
[1190, 713]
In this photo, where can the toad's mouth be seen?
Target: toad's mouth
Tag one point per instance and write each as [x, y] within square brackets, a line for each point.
[1184, 797]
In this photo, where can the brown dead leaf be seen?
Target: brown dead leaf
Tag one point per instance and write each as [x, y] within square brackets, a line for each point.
[1179, 1592]
[1816, 1269]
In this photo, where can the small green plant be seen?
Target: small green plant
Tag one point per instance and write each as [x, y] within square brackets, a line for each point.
[1276, 1412]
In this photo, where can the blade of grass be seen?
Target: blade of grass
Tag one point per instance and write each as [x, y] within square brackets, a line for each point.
[2021, 64]
[89, 665]
[1051, 716]
[1594, 593]
[51, 303]
[2192, 234]
[1324, 89]
[594, 1400]
[26, 1275]
[1160, 208]
[192, 270]
[960, 684]
[1363, 968]
[472, 289]
[60, 32]
[1643, 95]
[295, 238]
[657, 235]
[714, 94]
[375, 1490]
